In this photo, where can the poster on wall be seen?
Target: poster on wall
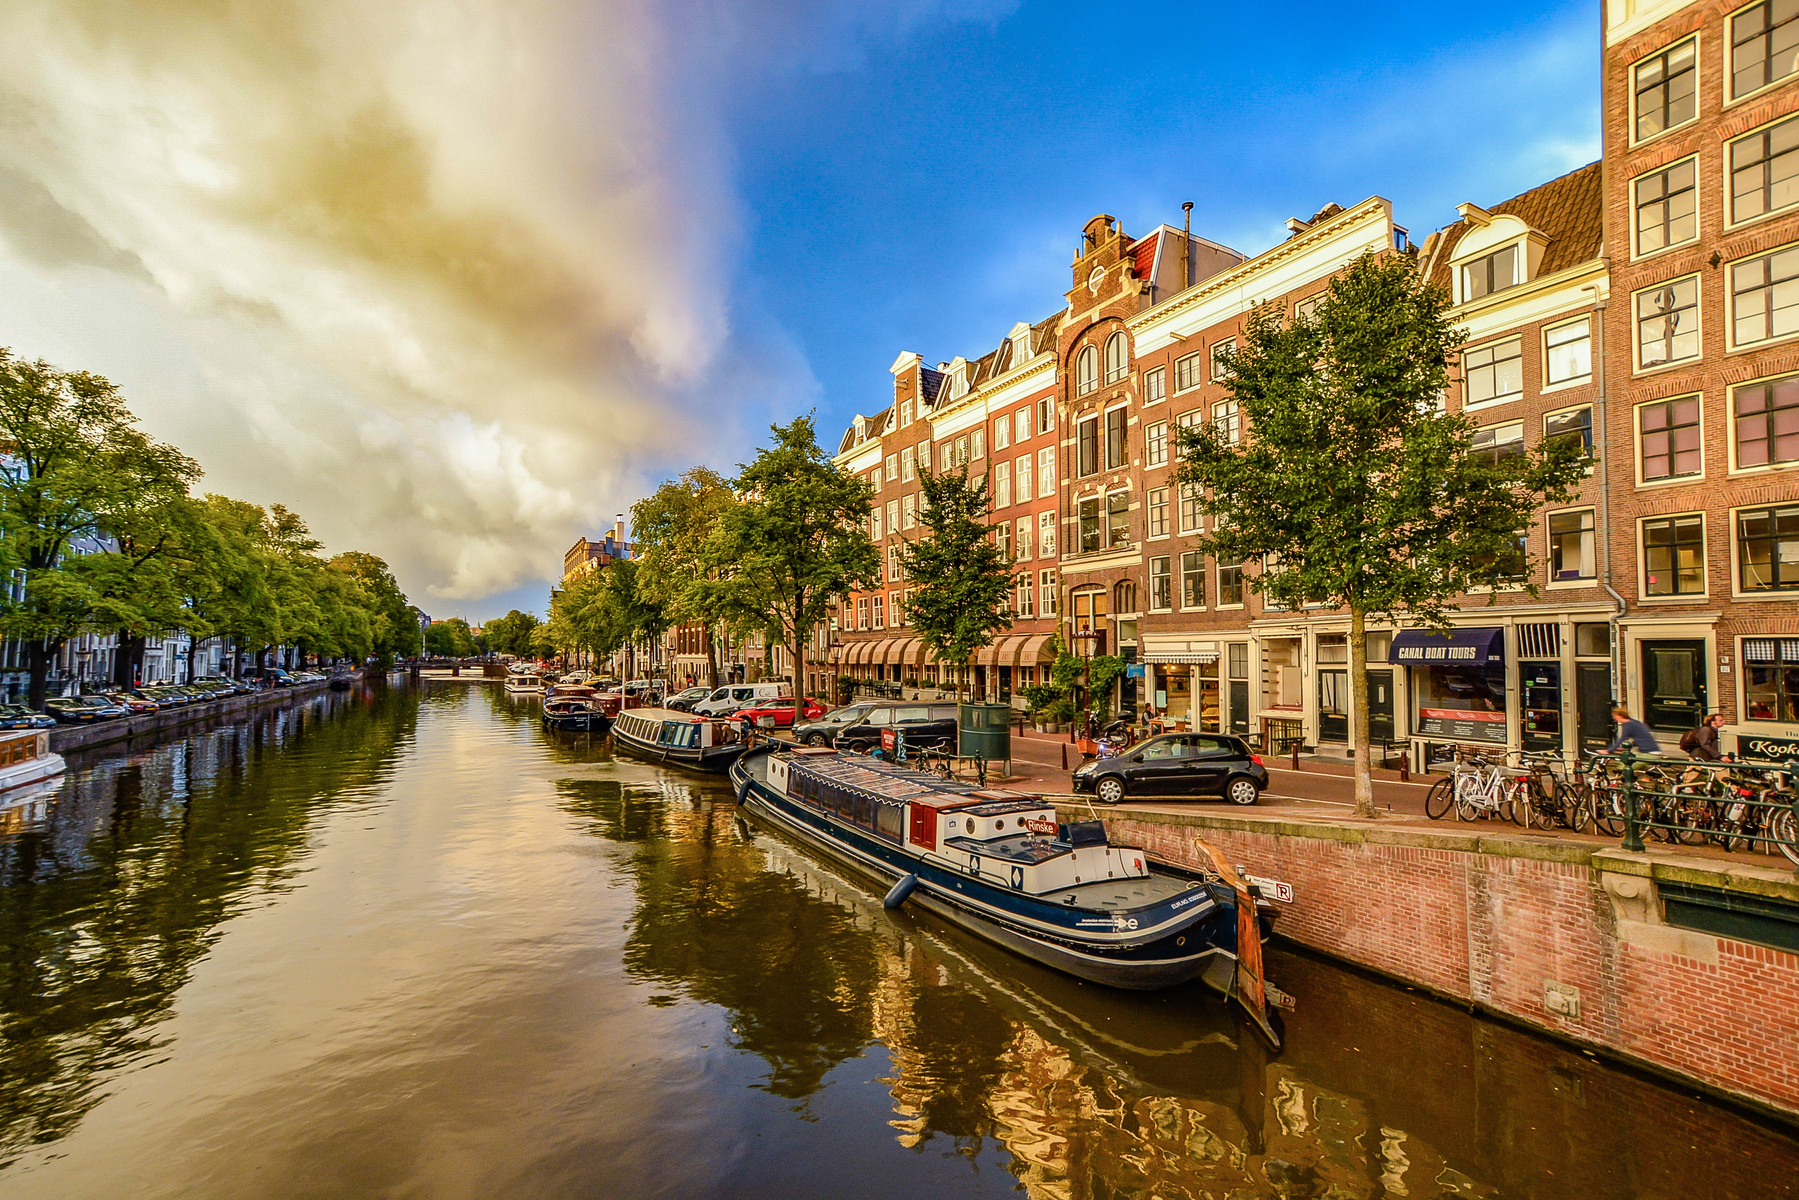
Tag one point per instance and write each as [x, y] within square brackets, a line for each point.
[1465, 725]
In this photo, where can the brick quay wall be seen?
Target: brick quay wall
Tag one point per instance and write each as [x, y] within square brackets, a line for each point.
[1571, 938]
[66, 739]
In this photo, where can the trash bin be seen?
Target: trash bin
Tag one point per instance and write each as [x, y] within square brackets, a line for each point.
[984, 731]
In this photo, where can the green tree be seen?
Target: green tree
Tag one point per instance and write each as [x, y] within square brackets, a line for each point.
[795, 541]
[1350, 483]
[960, 581]
[450, 639]
[393, 621]
[671, 528]
[511, 634]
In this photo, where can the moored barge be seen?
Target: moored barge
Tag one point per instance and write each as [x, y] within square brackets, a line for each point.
[698, 743]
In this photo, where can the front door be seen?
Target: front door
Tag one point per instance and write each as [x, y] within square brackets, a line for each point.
[1673, 684]
[1542, 718]
[1333, 706]
[1240, 707]
[1380, 704]
[1593, 697]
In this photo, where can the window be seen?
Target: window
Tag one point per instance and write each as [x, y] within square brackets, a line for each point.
[1002, 485]
[1087, 446]
[1221, 350]
[1155, 444]
[892, 467]
[874, 479]
[1124, 597]
[1023, 478]
[1002, 433]
[874, 523]
[1762, 44]
[1767, 422]
[1046, 471]
[1667, 207]
[1046, 414]
[911, 511]
[862, 613]
[1026, 604]
[1046, 535]
[1571, 549]
[1189, 372]
[1568, 351]
[1511, 561]
[977, 443]
[1498, 442]
[1116, 423]
[1305, 308]
[896, 608]
[908, 465]
[905, 413]
[1574, 425]
[1238, 655]
[1764, 297]
[1002, 537]
[1022, 426]
[1768, 549]
[1669, 432]
[1764, 171]
[947, 453]
[1118, 520]
[1771, 688]
[1664, 90]
[1668, 322]
[1155, 386]
[880, 611]
[1089, 525]
[1230, 582]
[1494, 372]
[893, 515]
[1117, 358]
[924, 455]
[1156, 506]
[1025, 527]
[1161, 587]
[962, 451]
[1674, 556]
[1192, 519]
[1492, 273]
[1228, 421]
[1086, 371]
[1193, 580]
[1046, 588]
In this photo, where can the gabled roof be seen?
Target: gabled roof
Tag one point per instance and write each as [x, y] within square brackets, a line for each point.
[1146, 255]
[1570, 211]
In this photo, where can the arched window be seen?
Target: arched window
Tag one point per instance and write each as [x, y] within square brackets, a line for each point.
[1117, 357]
[1086, 371]
[1124, 596]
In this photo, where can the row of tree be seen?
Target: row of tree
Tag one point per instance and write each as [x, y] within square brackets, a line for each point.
[100, 532]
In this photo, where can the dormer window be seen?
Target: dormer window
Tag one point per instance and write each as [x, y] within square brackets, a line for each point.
[1490, 273]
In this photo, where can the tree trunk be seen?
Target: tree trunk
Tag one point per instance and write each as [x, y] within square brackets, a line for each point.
[1358, 706]
[37, 656]
[127, 660]
[799, 665]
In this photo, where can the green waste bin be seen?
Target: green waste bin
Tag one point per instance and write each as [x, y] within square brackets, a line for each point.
[984, 731]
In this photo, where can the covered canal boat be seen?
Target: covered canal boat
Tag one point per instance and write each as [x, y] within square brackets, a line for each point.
[684, 739]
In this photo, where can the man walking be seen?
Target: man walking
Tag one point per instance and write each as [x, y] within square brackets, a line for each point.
[1702, 743]
[1633, 731]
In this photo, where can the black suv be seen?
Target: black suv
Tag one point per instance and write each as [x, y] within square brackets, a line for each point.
[1177, 764]
[859, 726]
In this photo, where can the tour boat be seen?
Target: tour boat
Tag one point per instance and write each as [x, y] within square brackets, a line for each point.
[998, 864]
[26, 758]
[524, 682]
[575, 712]
[684, 739]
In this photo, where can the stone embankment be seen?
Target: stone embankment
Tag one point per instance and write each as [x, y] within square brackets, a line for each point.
[1683, 964]
[65, 739]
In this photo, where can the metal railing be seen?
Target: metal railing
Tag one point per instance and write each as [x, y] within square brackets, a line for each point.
[1750, 806]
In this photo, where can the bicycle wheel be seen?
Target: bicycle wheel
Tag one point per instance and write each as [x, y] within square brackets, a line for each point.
[1468, 805]
[1688, 815]
[1783, 830]
[1440, 799]
[1540, 806]
[1608, 810]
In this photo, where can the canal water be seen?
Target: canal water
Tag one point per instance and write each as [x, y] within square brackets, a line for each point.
[406, 943]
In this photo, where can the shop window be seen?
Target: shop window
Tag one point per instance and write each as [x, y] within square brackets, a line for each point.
[1668, 433]
[1666, 207]
[1490, 273]
[1497, 442]
[1161, 586]
[1665, 90]
[1118, 520]
[1046, 587]
[1572, 554]
[1189, 372]
[1764, 171]
[1572, 425]
[1771, 686]
[1046, 535]
[1088, 516]
[1767, 422]
[1466, 703]
[1155, 444]
[1763, 39]
[1667, 317]
[1155, 386]
[1087, 447]
[1568, 352]
[1230, 582]
[1674, 556]
[1221, 351]
[1117, 449]
[1764, 297]
[1002, 485]
[1193, 579]
[1228, 421]
[1118, 359]
[1768, 549]
[1086, 371]
[1156, 507]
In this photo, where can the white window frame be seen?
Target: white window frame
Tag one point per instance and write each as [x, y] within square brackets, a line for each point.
[1155, 385]
[1002, 433]
[1557, 385]
[1636, 436]
[1471, 405]
[1736, 557]
[1218, 371]
[1086, 371]
[1730, 431]
[1021, 479]
[1728, 271]
[1110, 374]
[1636, 250]
[1727, 197]
[1154, 499]
[1046, 478]
[1729, 72]
[1021, 426]
[1167, 561]
[1155, 444]
[1582, 581]
[1630, 86]
[1046, 534]
[1195, 373]
[1636, 341]
[1002, 485]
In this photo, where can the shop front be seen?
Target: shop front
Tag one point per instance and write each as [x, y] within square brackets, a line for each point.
[1457, 682]
[1182, 674]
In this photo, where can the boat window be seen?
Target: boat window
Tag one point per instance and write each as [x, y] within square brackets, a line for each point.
[865, 815]
[888, 821]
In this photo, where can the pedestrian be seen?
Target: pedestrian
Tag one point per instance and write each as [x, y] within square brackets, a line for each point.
[1633, 731]
[1702, 743]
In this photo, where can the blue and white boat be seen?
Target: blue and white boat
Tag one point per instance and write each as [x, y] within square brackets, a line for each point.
[999, 864]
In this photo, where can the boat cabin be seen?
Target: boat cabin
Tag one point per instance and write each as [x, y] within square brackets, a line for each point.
[675, 730]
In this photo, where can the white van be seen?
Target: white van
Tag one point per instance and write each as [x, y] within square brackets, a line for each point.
[728, 699]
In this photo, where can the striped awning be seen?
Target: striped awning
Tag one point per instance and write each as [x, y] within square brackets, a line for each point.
[1177, 648]
[1000, 653]
[904, 652]
[879, 653]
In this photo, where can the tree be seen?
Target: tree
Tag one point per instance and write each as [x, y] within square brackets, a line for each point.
[671, 527]
[449, 639]
[511, 634]
[960, 580]
[795, 541]
[394, 627]
[1350, 483]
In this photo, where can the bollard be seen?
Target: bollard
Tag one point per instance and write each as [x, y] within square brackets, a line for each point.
[1296, 756]
[1405, 766]
[1064, 756]
[1633, 836]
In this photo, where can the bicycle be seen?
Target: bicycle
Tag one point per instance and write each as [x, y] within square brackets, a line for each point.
[1484, 790]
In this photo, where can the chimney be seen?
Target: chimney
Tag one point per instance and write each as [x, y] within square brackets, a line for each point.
[618, 532]
[1187, 245]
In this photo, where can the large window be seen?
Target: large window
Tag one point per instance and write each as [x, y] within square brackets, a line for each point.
[1118, 359]
[1046, 535]
[1117, 452]
[1665, 90]
[1500, 441]
[908, 465]
[1046, 471]
[1492, 273]
[1192, 519]
[1568, 352]
[1161, 586]
[1572, 554]
[1118, 520]
[1230, 582]
[1674, 556]
[1046, 588]
[1088, 516]
[880, 599]
[1086, 370]
[1767, 422]
[1002, 485]
[1494, 372]
[1002, 537]
[1229, 421]
[1668, 431]
[1021, 421]
[1764, 171]
[1027, 527]
[1667, 207]
[1046, 414]
[911, 510]
[1764, 297]
[1027, 601]
[1771, 683]
[1572, 425]
[1193, 580]
[1189, 372]
[1763, 44]
[1768, 549]
[1668, 322]
[874, 523]
[892, 468]
[1155, 385]
[1155, 444]
[1221, 351]
[1002, 433]
[1022, 471]
[1087, 447]
[1156, 506]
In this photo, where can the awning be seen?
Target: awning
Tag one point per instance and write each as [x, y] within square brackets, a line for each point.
[859, 652]
[1000, 653]
[1471, 647]
[1176, 648]
[905, 652]
[878, 652]
[1032, 651]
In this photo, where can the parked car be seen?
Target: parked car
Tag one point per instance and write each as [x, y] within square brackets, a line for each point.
[732, 696]
[859, 726]
[83, 710]
[136, 705]
[1177, 764]
[170, 695]
[781, 712]
[234, 687]
[17, 716]
[684, 701]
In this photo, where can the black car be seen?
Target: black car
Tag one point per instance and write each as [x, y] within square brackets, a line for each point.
[1177, 764]
[17, 716]
[81, 710]
[859, 726]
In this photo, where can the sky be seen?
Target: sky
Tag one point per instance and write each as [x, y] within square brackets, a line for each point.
[460, 280]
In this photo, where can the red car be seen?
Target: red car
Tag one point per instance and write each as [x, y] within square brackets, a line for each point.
[781, 712]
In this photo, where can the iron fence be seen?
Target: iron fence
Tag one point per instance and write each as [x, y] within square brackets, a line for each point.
[1749, 806]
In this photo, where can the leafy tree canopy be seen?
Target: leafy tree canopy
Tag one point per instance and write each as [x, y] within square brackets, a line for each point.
[960, 581]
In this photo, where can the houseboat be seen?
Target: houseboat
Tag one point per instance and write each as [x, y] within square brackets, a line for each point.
[580, 713]
[684, 739]
[524, 682]
[26, 757]
[998, 864]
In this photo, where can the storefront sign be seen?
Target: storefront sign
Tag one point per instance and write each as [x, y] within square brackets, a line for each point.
[1456, 648]
[1462, 724]
[1769, 749]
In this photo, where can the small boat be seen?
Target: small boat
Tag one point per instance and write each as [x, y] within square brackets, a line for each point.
[684, 739]
[524, 682]
[578, 713]
[26, 758]
[999, 864]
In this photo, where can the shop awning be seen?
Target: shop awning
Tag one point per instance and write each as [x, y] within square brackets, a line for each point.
[1176, 648]
[878, 654]
[1472, 647]
[905, 653]
[1032, 651]
[1001, 653]
[859, 653]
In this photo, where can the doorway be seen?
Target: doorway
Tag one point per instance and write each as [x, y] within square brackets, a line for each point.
[1673, 684]
[1542, 717]
[1333, 706]
[1380, 705]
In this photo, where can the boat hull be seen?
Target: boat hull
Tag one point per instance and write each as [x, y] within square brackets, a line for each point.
[714, 760]
[579, 722]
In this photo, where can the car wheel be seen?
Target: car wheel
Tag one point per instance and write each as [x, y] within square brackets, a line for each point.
[1242, 791]
[1109, 790]
[815, 739]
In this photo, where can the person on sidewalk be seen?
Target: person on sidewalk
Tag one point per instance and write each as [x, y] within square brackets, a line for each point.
[1633, 731]
[1702, 743]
